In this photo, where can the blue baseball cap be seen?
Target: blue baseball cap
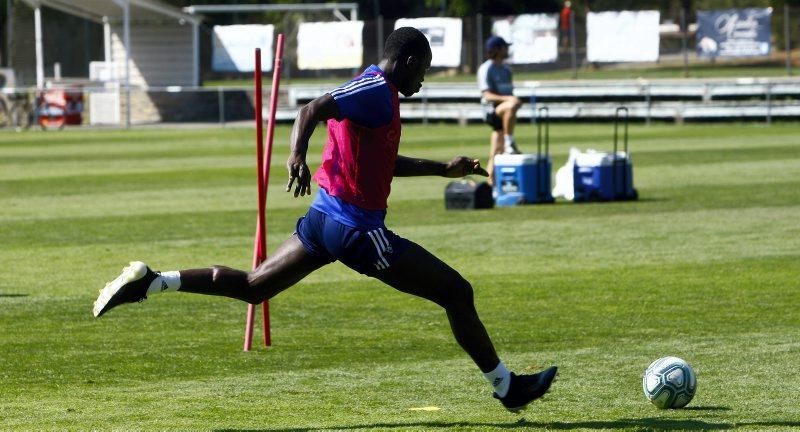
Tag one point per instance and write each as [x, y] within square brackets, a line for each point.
[496, 42]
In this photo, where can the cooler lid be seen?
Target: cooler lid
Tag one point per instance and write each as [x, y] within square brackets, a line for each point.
[516, 160]
[594, 158]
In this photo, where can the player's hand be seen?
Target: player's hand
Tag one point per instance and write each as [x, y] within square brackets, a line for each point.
[299, 175]
[461, 166]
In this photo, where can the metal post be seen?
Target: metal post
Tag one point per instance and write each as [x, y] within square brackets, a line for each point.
[573, 44]
[37, 24]
[684, 42]
[425, 106]
[126, 40]
[221, 102]
[769, 103]
[195, 54]
[379, 31]
[787, 39]
[479, 41]
[107, 41]
[10, 34]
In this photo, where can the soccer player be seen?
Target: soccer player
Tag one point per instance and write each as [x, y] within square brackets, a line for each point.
[498, 101]
[346, 218]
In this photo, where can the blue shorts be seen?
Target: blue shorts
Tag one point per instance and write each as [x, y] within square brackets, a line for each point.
[367, 251]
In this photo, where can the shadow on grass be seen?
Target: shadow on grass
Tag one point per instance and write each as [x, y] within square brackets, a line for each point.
[645, 424]
[705, 408]
[13, 295]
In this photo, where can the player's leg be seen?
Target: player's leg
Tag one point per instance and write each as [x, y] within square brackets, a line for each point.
[286, 266]
[420, 273]
[290, 263]
[495, 148]
[416, 271]
[507, 111]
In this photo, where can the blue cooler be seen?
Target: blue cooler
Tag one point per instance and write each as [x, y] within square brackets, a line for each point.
[603, 177]
[522, 179]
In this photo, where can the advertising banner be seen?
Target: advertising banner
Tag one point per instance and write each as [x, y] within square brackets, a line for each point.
[623, 36]
[444, 34]
[533, 38]
[233, 47]
[734, 32]
[330, 45]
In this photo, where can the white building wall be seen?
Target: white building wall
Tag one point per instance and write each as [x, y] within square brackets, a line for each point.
[161, 55]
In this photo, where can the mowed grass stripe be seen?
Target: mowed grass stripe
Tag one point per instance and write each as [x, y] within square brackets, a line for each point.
[163, 198]
[693, 236]
[596, 304]
[643, 140]
[645, 166]
[196, 210]
[620, 336]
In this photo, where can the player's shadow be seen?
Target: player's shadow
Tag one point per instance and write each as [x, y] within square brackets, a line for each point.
[649, 424]
[13, 295]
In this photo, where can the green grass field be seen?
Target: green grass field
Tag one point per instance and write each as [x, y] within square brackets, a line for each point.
[706, 266]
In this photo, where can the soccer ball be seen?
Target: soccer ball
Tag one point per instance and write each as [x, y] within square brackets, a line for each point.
[669, 382]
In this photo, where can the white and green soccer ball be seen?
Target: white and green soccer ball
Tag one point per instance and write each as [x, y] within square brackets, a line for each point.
[669, 382]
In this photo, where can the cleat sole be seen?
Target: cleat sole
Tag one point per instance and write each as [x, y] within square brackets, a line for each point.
[133, 272]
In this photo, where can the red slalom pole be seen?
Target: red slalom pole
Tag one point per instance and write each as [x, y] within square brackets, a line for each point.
[263, 160]
[259, 248]
[273, 106]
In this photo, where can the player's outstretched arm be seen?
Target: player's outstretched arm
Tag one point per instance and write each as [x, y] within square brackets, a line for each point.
[320, 109]
[457, 167]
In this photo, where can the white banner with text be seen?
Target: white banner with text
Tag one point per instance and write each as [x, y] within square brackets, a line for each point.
[623, 36]
[445, 37]
[233, 47]
[330, 45]
[533, 38]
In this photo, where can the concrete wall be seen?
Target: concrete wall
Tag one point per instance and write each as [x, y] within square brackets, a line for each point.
[161, 55]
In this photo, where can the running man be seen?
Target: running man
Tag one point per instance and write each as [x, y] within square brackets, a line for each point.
[346, 218]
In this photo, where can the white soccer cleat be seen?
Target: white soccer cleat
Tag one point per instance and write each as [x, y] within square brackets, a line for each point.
[511, 148]
[129, 287]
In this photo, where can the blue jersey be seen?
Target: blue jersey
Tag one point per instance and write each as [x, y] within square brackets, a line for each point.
[366, 99]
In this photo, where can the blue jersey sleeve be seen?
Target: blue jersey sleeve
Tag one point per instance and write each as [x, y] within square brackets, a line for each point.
[365, 100]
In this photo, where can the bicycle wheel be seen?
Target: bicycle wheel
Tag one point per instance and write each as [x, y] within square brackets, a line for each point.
[21, 117]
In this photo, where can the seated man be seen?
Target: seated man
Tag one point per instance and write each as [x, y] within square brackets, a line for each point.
[498, 100]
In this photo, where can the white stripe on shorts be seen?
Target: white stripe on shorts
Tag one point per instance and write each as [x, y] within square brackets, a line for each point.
[388, 245]
[375, 242]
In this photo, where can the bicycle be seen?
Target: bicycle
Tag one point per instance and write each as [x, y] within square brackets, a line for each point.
[16, 110]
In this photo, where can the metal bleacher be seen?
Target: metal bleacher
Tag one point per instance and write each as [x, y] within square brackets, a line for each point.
[658, 99]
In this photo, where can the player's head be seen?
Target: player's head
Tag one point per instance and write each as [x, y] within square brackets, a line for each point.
[410, 52]
[497, 48]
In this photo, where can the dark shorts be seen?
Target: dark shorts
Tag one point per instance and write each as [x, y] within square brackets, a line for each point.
[365, 251]
[494, 121]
